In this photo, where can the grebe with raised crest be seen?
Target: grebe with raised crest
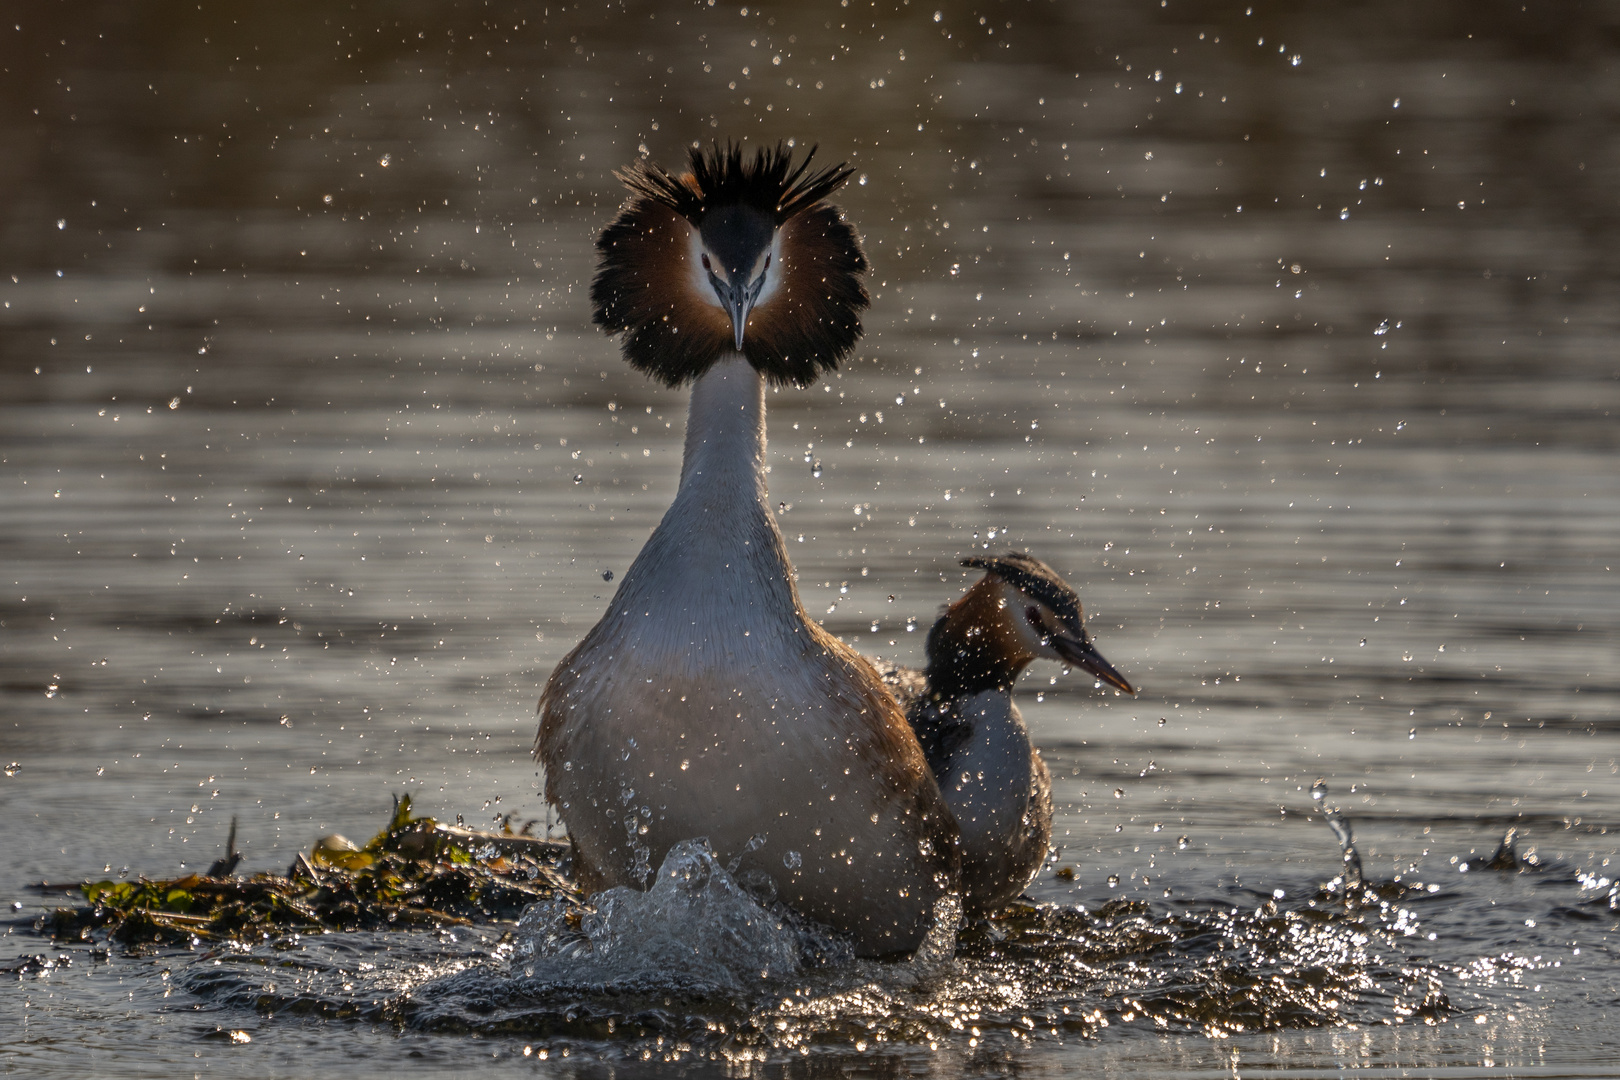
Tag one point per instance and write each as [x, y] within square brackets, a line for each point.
[706, 702]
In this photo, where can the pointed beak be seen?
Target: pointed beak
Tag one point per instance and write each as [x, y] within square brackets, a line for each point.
[738, 301]
[739, 306]
[1083, 654]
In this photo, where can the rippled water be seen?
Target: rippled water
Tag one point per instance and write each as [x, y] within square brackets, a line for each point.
[1303, 372]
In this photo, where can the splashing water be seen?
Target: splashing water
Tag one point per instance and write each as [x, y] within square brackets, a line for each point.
[696, 930]
[1352, 878]
[698, 964]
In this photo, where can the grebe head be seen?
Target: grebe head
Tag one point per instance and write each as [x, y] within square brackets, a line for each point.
[738, 255]
[1019, 611]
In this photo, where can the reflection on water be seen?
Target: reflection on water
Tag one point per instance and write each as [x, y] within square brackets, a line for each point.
[1285, 335]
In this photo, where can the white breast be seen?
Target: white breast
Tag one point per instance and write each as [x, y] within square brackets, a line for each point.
[704, 704]
[988, 778]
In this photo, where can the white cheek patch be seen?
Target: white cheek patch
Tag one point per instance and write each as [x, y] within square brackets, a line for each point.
[698, 277]
[1017, 608]
[773, 272]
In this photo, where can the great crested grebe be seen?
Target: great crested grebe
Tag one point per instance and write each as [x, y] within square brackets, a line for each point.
[971, 732]
[706, 703]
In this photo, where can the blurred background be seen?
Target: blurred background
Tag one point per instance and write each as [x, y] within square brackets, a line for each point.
[1284, 330]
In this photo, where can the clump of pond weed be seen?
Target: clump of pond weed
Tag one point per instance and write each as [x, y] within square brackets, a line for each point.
[416, 872]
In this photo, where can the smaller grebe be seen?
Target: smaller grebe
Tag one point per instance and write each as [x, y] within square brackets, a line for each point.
[962, 710]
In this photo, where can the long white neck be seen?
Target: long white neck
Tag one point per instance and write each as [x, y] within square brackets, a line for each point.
[717, 557]
[724, 460]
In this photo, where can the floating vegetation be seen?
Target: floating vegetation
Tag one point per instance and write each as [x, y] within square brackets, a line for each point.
[416, 872]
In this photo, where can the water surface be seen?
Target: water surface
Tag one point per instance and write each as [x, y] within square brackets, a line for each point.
[1287, 335]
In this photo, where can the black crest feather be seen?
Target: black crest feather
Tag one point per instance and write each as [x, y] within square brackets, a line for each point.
[1036, 580]
[643, 286]
[721, 176]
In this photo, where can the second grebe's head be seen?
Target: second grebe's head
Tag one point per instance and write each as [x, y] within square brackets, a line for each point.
[1019, 611]
[739, 255]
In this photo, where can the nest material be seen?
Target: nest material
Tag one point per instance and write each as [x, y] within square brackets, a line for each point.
[415, 873]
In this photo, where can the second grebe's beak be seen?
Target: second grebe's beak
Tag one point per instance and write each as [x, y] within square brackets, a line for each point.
[738, 302]
[1083, 654]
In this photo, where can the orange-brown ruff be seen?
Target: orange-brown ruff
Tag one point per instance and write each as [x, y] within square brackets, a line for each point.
[706, 702]
[674, 332]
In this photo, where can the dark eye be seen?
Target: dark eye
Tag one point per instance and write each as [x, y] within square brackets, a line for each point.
[706, 265]
[1033, 614]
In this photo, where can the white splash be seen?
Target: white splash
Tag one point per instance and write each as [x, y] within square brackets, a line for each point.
[696, 931]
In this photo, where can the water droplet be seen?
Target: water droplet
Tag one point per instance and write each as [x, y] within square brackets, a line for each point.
[792, 860]
[815, 470]
[1182, 842]
[1412, 734]
[174, 403]
[1119, 793]
[579, 478]
[1113, 881]
[1319, 790]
